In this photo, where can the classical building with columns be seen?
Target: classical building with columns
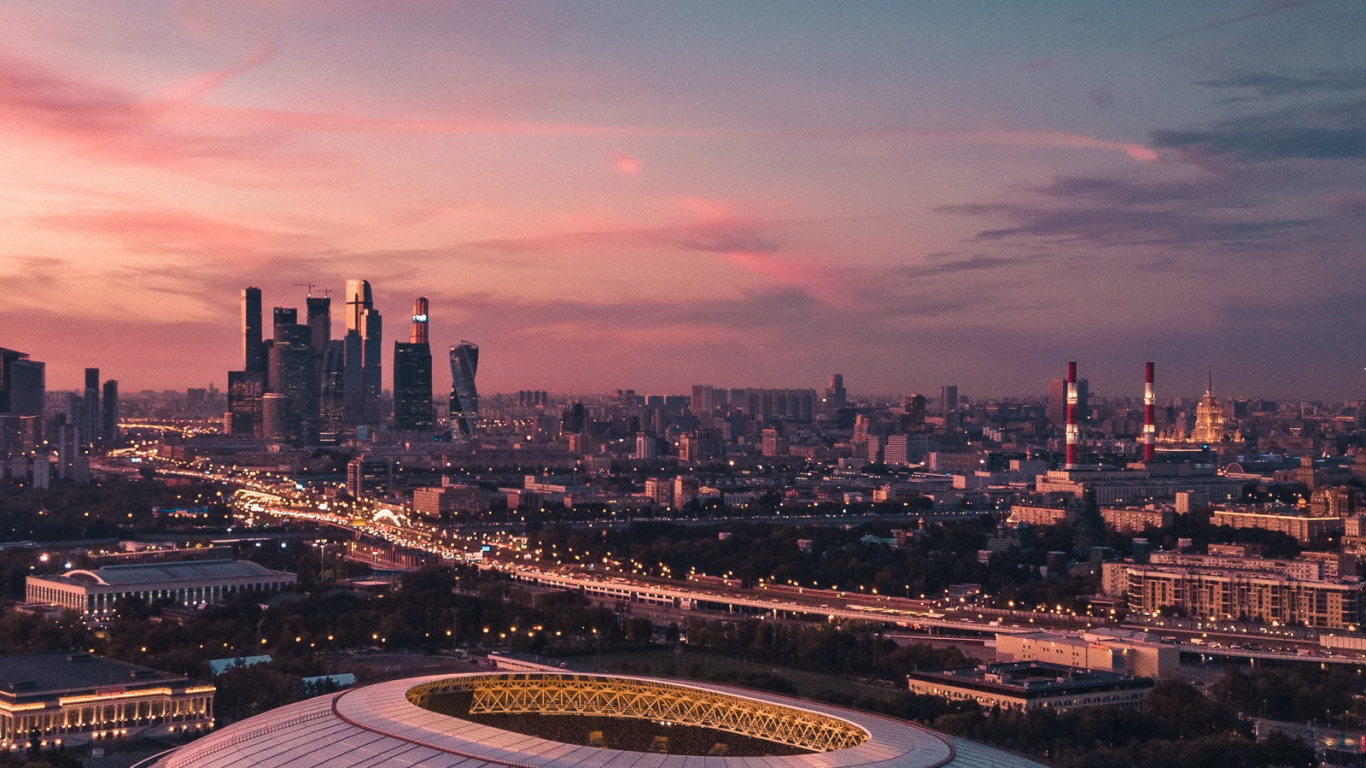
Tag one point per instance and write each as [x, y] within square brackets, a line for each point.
[190, 584]
[51, 699]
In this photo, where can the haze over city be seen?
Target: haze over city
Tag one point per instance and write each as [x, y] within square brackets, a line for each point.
[748, 194]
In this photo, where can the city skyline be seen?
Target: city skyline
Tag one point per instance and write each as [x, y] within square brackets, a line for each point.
[757, 195]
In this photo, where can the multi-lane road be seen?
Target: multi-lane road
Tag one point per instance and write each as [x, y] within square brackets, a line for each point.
[267, 497]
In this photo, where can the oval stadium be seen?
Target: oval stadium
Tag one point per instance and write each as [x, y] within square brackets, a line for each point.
[565, 720]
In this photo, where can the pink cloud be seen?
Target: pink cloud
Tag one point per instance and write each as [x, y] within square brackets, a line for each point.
[1268, 9]
[1005, 137]
[1035, 65]
[161, 232]
[624, 163]
[195, 88]
[821, 283]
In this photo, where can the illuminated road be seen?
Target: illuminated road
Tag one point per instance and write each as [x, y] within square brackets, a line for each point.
[269, 495]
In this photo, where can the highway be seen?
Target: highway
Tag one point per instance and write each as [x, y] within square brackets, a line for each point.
[268, 495]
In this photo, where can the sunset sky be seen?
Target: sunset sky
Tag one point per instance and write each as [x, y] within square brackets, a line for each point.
[650, 195]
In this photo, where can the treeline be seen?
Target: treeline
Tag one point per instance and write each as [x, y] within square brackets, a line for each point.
[107, 509]
[1176, 727]
[430, 610]
[831, 556]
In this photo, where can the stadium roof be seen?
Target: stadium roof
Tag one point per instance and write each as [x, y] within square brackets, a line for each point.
[138, 574]
[376, 726]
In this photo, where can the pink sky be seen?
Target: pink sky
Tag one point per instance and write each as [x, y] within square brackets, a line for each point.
[611, 195]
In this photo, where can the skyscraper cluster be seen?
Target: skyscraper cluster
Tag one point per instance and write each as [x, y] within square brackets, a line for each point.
[301, 386]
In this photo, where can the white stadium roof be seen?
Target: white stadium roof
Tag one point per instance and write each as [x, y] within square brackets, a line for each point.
[376, 726]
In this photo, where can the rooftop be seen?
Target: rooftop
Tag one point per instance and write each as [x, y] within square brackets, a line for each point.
[1025, 678]
[170, 573]
[45, 674]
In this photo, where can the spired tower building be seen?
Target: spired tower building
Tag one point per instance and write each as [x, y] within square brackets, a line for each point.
[363, 376]
[1209, 417]
[413, 376]
[464, 396]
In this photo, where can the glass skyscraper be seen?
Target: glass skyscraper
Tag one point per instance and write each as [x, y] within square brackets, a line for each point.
[464, 396]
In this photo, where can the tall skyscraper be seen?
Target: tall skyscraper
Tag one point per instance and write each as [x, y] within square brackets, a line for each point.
[91, 424]
[332, 393]
[320, 321]
[22, 384]
[291, 376]
[244, 402]
[109, 415]
[948, 399]
[285, 316]
[464, 396]
[253, 351]
[413, 376]
[364, 372]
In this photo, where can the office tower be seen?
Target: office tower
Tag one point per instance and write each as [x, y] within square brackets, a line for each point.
[276, 419]
[245, 389]
[285, 316]
[109, 422]
[320, 321]
[90, 408]
[253, 351]
[291, 376]
[914, 405]
[835, 394]
[464, 396]
[332, 392]
[413, 376]
[948, 399]
[22, 384]
[364, 323]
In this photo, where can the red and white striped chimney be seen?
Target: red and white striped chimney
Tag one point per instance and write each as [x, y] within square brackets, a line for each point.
[1149, 415]
[1073, 429]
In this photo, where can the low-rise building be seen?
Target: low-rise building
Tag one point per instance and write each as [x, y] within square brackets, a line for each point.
[449, 502]
[62, 699]
[193, 584]
[1302, 524]
[1137, 519]
[1102, 652]
[1032, 685]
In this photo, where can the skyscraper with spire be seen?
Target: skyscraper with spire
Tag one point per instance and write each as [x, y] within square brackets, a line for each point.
[363, 347]
[413, 376]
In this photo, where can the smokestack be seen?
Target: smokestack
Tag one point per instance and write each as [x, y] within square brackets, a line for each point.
[419, 334]
[1149, 415]
[1073, 429]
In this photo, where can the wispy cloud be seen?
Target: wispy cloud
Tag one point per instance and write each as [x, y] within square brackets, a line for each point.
[1261, 11]
[1271, 84]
